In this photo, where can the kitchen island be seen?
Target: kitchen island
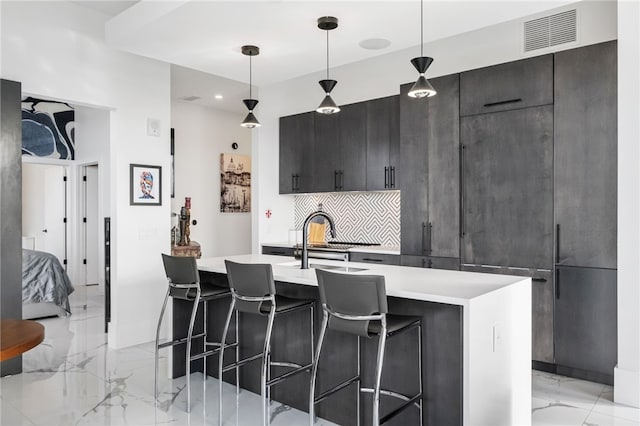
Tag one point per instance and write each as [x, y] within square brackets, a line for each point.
[476, 342]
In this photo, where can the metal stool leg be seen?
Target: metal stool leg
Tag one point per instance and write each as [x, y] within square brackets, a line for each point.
[359, 384]
[420, 369]
[380, 360]
[314, 369]
[194, 311]
[223, 341]
[265, 366]
[155, 377]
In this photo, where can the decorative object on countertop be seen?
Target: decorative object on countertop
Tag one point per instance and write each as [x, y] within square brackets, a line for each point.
[191, 250]
[185, 217]
[365, 217]
[327, 106]
[421, 88]
[145, 184]
[235, 183]
[250, 120]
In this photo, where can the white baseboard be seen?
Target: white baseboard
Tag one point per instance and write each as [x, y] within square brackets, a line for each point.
[626, 389]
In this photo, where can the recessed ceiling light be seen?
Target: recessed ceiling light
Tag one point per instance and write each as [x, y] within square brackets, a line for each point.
[375, 43]
[218, 96]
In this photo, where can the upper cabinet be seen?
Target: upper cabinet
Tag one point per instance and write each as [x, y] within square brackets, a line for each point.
[585, 173]
[352, 138]
[519, 84]
[296, 137]
[324, 158]
[382, 143]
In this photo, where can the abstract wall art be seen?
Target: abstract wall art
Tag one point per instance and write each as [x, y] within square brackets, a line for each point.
[146, 185]
[48, 129]
[235, 183]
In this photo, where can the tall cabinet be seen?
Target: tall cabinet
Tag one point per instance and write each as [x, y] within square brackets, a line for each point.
[428, 176]
[585, 197]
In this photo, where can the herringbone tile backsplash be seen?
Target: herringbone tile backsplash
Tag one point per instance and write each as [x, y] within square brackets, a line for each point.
[366, 217]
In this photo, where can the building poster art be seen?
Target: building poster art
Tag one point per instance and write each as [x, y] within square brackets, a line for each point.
[235, 183]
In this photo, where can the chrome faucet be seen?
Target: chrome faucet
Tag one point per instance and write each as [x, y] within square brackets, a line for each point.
[305, 226]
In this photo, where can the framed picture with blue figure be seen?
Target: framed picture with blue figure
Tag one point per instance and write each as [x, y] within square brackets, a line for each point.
[145, 182]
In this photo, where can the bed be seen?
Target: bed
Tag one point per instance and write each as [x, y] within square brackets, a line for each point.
[45, 286]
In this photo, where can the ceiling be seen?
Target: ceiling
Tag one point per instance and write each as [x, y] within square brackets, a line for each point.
[109, 8]
[207, 35]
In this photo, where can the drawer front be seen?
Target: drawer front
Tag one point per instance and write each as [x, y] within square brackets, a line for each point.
[450, 263]
[278, 251]
[385, 259]
[513, 85]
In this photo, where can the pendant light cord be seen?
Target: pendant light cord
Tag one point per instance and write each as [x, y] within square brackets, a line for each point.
[250, 56]
[421, 27]
[327, 31]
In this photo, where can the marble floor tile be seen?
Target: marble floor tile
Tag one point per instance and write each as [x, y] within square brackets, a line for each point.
[605, 405]
[573, 392]
[599, 419]
[11, 416]
[556, 413]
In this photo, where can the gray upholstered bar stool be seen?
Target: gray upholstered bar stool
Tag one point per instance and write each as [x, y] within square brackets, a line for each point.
[357, 304]
[184, 283]
[253, 291]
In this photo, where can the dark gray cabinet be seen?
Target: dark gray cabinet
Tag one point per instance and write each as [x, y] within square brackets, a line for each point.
[278, 251]
[382, 143]
[325, 156]
[507, 188]
[542, 294]
[449, 263]
[585, 136]
[586, 319]
[429, 171]
[380, 258]
[351, 174]
[518, 84]
[296, 138]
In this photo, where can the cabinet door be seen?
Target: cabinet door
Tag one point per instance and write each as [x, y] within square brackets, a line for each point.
[450, 263]
[443, 126]
[507, 193]
[382, 138]
[586, 319]
[518, 84]
[412, 175]
[585, 137]
[381, 258]
[296, 137]
[352, 137]
[542, 294]
[325, 156]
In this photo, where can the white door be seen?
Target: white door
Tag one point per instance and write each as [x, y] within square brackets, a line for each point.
[54, 208]
[92, 225]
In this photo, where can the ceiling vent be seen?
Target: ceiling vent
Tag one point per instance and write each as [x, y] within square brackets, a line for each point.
[550, 31]
[191, 98]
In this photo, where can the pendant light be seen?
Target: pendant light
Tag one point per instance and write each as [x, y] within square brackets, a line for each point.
[250, 121]
[421, 88]
[327, 106]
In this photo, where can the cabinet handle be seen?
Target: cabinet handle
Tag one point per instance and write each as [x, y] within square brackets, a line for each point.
[508, 101]
[424, 262]
[386, 177]
[422, 244]
[392, 179]
[557, 243]
[429, 232]
[371, 259]
[462, 192]
[336, 186]
[430, 264]
[293, 182]
[540, 280]
[557, 283]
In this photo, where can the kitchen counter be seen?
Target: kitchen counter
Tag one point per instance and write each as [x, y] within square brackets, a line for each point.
[476, 350]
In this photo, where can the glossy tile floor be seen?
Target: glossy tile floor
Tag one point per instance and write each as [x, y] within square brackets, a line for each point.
[72, 378]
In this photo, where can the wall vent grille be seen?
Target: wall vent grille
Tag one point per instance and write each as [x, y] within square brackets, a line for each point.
[550, 30]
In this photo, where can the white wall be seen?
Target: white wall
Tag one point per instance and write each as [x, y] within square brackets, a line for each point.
[56, 50]
[382, 76]
[627, 373]
[201, 135]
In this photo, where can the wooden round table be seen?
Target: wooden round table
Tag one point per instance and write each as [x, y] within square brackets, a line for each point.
[18, 336]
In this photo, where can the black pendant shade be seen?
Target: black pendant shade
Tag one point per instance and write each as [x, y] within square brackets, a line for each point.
[327, 106]
[250, 120]
[421, 88]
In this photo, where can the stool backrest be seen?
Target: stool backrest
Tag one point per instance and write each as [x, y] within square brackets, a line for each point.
[182, 273]
[352, 295]
[251, 280]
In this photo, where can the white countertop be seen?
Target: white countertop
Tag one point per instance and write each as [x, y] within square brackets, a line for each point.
[433, 285]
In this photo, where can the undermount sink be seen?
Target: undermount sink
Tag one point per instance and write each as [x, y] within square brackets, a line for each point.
[296, 264]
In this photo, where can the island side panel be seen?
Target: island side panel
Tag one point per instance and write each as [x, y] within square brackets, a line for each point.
[498, 376]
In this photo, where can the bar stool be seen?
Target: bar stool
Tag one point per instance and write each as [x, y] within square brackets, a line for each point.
[184, 284]
[253, 292]
[357, 304]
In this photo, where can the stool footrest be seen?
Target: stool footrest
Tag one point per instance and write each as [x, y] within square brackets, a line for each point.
[284, 376]
[408, 403]
[241, 362]
[335, 389]
[179, 341]
[212, 351]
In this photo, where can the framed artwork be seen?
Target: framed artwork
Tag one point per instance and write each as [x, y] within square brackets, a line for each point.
[173, 163]
[235, 183]
[145, 183]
